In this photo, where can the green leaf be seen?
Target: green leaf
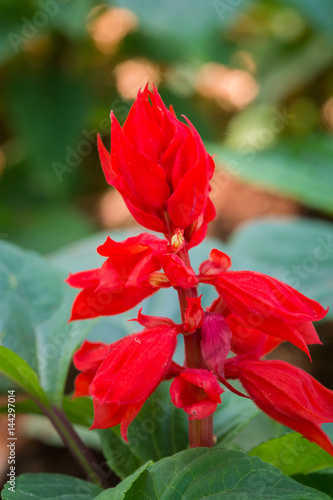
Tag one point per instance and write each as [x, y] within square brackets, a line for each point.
[213, 474]
[39, 112]
[16, 369]
[34, 312]
[322, 481]
[119, 492]
[301, 169]
[53, 486]
[293, 454]
[158, 431]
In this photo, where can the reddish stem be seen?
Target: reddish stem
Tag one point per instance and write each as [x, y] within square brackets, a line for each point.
[200, 431]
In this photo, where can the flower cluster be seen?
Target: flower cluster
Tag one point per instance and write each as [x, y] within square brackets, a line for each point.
[162, 170]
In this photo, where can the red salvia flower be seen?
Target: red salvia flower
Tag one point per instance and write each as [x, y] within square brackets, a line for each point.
[129, 374]
[125, 279]
[263, 302]
[289, 395]
[161, 168]
[197, 392]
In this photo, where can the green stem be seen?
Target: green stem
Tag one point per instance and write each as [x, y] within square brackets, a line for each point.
[76, 446]
[200, 431]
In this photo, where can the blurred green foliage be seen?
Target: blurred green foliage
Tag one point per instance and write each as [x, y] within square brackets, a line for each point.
[249, 74]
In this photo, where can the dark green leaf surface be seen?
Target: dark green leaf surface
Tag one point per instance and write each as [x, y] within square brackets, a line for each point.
[214, 474]
[293, 454]
[119, 492]
[50, 486]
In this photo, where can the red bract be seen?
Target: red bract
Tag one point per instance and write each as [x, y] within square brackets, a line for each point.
[129, 374]
[290, 396]
[88, 359]
[160, 167]
[124, 280]
[215, 341]
[197, 392]
[266, 304]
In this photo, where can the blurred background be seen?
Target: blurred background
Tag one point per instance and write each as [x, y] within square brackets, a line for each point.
[254, 76]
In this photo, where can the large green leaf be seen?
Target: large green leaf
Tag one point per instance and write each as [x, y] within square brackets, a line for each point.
[39, 113]
[50, 486]
[213, 474]
[34, 311]
[301, 169]
[293, 454]
[322, 481]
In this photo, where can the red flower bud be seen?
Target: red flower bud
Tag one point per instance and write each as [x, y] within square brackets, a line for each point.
[197, 392]
[215, 341]
[194, 314]
[160, 166]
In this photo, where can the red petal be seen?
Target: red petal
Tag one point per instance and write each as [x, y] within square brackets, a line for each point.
[178, 273]
[135, 367]
[290, 396]
[189, 199]
[194, 314]
[144, 180]
[90, 355]
[153, 321]
[197, 392]
[247, 339]
[218, 263]
[91, 304]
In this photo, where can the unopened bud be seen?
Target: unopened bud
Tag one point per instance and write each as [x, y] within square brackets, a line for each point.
[177, 240]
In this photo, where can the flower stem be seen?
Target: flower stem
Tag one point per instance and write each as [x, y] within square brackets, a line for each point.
[76, 446]
[200, 431]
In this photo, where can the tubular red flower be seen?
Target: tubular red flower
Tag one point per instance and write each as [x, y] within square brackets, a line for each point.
[197, 392]
[129, 375]
[290, 396]
[123, 280]
[266, 304]
[160, 166]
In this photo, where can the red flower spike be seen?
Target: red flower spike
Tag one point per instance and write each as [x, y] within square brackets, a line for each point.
[129, 375]
[159, 165]
[269, 305]
[178, 273]
[197, 392]
[194, 314]
[124, 279]
[88, 358]
[217, 263]
[246, 339]
[215, 341]
[290, 396]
